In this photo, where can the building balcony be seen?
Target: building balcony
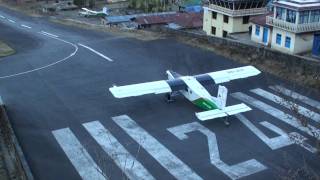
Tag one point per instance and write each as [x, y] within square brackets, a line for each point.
[237, 12]
[292, 27]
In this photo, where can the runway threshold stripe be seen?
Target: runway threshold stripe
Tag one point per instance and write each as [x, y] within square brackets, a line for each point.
[77, 154]
[124, 160]
[287, 104]
[159, 152]
[2, 17]
[289, 119]
[96, 52]
[296, 95]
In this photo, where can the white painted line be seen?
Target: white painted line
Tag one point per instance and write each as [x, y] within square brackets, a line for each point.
[1, 101]
[235, 171]
[275, 142]
[124, 160]
[294, 122]
[98, 53]
[296, 95]
[12, 21]
[159, 152]
[46, 66]
[25, 26]
[48, 34]
[287, 104]
[2, 17]
[78, 156]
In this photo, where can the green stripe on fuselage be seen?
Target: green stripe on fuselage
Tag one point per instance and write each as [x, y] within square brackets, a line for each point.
[205, 104]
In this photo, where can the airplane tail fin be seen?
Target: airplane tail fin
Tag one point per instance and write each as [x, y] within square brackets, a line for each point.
[172, 75]
[222, 96]
[105, 10]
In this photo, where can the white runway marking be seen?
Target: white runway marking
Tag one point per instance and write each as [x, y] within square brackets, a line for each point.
[2, 17]
[98, 53]
[235, 171]
[48, 34]
[159, 152]
[78, 156]
[46, 66]
[288, 104]
[25, 26]
[124, 160]
[12, 21]
[294, 122]
[284, 138]
[296, 95]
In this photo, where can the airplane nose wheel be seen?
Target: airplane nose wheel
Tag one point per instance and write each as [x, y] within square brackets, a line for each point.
[226, 121]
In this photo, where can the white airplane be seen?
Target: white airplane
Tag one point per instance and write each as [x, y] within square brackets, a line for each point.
[192, 88]
[90, 13]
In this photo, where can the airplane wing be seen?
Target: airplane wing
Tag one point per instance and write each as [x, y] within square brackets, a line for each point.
[232, 74]
[155, 87]
[227, 111]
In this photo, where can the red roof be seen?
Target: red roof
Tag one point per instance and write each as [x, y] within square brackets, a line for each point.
[261, 19]
[186, 20]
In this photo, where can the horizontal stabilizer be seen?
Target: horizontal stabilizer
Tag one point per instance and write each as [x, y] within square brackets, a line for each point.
[227, 111]
[156, 87]
[232, 74]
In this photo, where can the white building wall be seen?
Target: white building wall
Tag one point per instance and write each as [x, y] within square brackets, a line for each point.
[234, 25]
[259, 38]
[299, 42]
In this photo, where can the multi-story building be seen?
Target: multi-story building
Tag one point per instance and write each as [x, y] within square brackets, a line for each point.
[293, 24]
[230, 16]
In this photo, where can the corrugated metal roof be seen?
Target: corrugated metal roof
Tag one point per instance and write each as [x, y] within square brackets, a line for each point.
[127, 18]
[186, 20]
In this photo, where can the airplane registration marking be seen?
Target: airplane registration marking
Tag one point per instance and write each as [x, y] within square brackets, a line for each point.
[289, 119]
[296, 95]
[288, 104]
[79, 157]
[158, 151]
[124, 160]
[236, 171]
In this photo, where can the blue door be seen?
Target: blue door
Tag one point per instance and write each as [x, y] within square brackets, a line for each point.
[265, 35]
[316, 45]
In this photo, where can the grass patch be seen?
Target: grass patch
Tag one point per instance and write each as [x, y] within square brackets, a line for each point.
[5, 50]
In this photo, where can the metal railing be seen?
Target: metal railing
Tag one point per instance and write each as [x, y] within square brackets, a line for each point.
[292, 27]
[237, 12]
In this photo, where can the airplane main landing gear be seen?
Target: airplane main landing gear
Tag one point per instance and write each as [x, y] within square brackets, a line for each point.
[226, 121]
[169, 97]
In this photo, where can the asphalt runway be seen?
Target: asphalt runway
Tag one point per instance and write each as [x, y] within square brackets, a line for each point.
[70, 126]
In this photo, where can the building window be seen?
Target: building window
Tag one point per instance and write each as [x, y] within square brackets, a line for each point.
[288, 42]
[315, 16]
[291, 16]
[213, 30]
[257, 30]
[245, 19]
[303, 17]
[224, 33]
[214, 15]
[278, 39]
[225, 18]
[280, 13]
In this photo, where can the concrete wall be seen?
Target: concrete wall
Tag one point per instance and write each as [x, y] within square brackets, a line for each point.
[299, 42]
[259, 38]
[234, 25]
[257, 54]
